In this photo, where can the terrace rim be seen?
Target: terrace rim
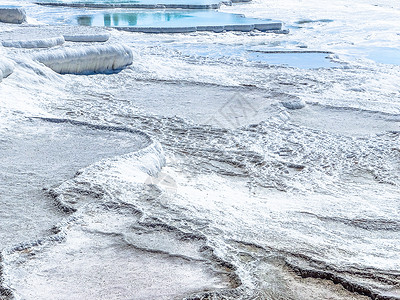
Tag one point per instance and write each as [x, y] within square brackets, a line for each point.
[161, 5]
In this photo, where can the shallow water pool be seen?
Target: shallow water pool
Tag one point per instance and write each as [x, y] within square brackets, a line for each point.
[180, 20]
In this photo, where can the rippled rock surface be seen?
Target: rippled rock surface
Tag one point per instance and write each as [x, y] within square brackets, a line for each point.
[185, 176]
[89, 59]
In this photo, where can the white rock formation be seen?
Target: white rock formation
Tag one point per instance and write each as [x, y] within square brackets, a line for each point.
[293, 102]
[89, 38]
[44, 36]
[34, 43]
[12, 14]
[85, 60]
[266, 27]
[6, 67]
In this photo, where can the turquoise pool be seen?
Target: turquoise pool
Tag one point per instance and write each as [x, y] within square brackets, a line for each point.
[173, 21]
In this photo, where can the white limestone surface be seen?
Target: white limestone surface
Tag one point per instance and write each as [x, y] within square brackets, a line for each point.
[6, 67]
[44, 36]
[27, 36]
[12, 14]
[86, 59]
[293, 102]
[87, 38]
[34, 43]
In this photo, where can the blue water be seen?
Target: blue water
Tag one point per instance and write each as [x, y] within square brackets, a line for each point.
[385, 55]
[164, 18]
[296, 60]
[272, 55]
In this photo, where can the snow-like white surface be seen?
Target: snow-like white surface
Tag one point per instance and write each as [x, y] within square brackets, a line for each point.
[350, 28]
[35, 43]
[143, 4]
[12, 14]
[335, 161]
[270, 27]
[86, 59]
[87, 37]
[293, 102]
[6, 67]
[42, 36]
[27, 36]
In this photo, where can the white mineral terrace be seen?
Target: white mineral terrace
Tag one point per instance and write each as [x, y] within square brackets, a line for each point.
[153, 150]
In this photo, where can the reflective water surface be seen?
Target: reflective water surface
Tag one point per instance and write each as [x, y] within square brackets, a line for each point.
[164, 18]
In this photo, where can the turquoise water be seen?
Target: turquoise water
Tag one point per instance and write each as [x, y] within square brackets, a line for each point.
[165, 18]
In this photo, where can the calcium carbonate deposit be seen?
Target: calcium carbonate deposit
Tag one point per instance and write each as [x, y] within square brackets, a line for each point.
[86, 59]
[218, 164]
